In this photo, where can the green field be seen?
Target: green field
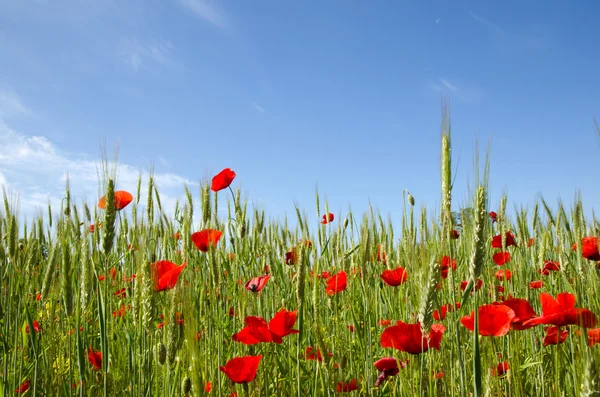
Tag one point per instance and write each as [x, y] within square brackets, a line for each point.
[89, 306]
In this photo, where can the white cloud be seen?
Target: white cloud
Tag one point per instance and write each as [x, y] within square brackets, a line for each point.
[487, 22]
[258, 108]
[449, 86]
[207, 11]
[148, 55]
[36, 170]
[531, 38]
[462, 90]
[12, 105]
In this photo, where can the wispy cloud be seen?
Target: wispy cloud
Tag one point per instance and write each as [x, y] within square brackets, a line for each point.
[12, 105]
[527, 38]
[449, 86]
[487, 22]
[461, 90]
[36, 170]
[138, 54]
[258, 108]
[207, 11]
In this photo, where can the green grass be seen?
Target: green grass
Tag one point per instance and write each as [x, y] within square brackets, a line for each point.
[57, 257]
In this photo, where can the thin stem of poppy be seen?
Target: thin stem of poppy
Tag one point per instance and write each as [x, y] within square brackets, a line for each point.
[234, 203]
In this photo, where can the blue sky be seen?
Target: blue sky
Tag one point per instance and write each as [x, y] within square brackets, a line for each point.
[343, 95]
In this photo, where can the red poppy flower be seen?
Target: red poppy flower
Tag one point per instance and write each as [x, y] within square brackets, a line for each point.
[206, 238]
[291, 257]
[561, 311]
[121, 312]
[327, 218]
[95, 358]
[589, 248]
[23, 388]
[255, 331]
[503, 275]
[387, 366]
[324, 275]
[500, 369]
[336, 283]
[207, 387]
[552, 336]
[122, 293]
[510, 240]
[523, 312]
[593, 336]
[409, 337]
[478, 284]
[531, 241]
[311, 354]
[257, 283]
[222, 180]
[447, 308]
[281, 325]
[241, 369]
[445, 265]
[346, 387]
[395, 277]
[549, 266]
[440, 316]
[122, 200]
[493, 216]
[384, 323]
[454, 234]
[536, 284]
[494, 320]
[179, 319]
[36, 326]
[501, 258]
[165, 274]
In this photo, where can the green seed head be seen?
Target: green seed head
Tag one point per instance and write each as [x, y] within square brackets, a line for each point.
[161, 353]
[186, 385]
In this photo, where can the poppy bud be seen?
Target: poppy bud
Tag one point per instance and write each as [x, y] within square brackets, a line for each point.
[161, 351]
[411, 200]
[186, 385]
[346, 223]
[21, 246]
[67, 211]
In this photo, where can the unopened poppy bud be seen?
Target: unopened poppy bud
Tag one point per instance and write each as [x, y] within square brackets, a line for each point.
[411, 199]
[21, 246]
[67, 211]
[161, 352]
[346, 221]
[186, 385]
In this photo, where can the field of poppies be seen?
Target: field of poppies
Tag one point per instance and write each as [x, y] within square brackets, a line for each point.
[118, 299]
